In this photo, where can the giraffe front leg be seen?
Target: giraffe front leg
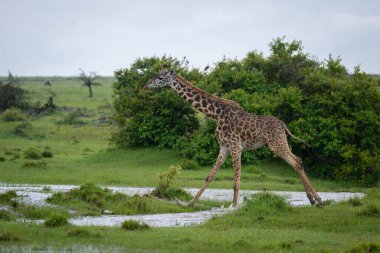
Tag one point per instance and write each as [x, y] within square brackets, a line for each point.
[236, 160]
[219, 162]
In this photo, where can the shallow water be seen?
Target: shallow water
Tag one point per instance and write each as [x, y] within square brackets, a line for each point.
[35, 195]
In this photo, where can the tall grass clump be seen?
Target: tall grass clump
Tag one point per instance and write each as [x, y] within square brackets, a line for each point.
[56, 220]
[12, 114]
[32, 153]
[133, 225]
[7, 198]
[265, 203]
[165, 188]
[90, 199]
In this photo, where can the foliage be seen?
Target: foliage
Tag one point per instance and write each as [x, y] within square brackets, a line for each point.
[133, 225]
[11, 95]
[153, 117]
[47, 153]
[189, 165]
[34, 165]
[265, 203]
[12, 114]
[56, 220]
[165, 188]
[337, 113]
[32, 153]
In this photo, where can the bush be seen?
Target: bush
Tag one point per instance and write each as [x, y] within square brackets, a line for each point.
[133, 225]
[265, 203]
[150, 117]
[56, 220]
[165, 188]
[7, 237]
[32, 153]
[12, 114]
[5, 215]
[189, 165]
[11, 95]
[72, 118]
[2, 159]
[370, 211]
[34, 165]
[47, 154]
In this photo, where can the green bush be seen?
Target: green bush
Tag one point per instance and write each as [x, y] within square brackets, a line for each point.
[32, 153]
[189, 165]
[336, 112]
[165, 188]
[265, 203]
[56, 220]
[11, 95]
[133, 225]
[5, 215]
[47, 154]
[34, 165]
[2, 159]
[12, 114]
[8, 236]
[150, 117]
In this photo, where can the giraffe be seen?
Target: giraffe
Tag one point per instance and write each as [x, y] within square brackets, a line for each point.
[236, 131]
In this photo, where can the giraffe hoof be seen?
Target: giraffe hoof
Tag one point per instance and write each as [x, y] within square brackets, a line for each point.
[320, 204]
[180, 203]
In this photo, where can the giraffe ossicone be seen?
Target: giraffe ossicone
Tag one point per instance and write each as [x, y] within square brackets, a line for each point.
[236, 131]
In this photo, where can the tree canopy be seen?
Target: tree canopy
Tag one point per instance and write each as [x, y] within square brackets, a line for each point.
[334, 111]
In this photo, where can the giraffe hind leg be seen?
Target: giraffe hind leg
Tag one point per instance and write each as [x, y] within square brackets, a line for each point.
[282, 149]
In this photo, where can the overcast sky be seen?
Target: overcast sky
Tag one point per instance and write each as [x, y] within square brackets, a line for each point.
[53, 37]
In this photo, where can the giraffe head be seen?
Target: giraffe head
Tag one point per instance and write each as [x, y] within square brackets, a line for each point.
[165, 78]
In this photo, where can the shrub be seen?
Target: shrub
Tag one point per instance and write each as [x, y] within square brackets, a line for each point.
[265, 203]
[12, 114]
[72, 118]
[82, 232]
[47, 154]
[150, 117]
[5, 215]
[34, 165]
[11, 95]
[355, 201]
[8, 236]
[370, 211]
[7, 198]
[2, 159]
[32, 153]
[189, 165]
[56, 220]
[23, 129]
[133, 225]
[365, 248]
[165, 188]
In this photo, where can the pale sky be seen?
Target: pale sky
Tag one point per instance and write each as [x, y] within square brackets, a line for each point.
[56, 37]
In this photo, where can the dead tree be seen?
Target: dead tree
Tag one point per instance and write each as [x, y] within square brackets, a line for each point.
[49, 104]
[88, 80]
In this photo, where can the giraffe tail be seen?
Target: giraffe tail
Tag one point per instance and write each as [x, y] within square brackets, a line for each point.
[295, 137]
[310, 149]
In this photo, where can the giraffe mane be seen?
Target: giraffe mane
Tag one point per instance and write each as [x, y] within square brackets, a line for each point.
[206, 94]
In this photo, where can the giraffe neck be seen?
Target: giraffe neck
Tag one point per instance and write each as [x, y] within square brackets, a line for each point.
[212, 106]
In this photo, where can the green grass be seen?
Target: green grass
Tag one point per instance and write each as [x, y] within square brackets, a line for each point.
[92, 200]
[82, 154]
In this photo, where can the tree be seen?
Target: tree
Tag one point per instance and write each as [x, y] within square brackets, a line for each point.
[88, 80]
[146, 117]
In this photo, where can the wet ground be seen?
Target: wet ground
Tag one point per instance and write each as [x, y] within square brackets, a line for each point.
[37, 195]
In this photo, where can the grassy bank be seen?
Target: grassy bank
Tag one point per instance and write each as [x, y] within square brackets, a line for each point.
[77, 136]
